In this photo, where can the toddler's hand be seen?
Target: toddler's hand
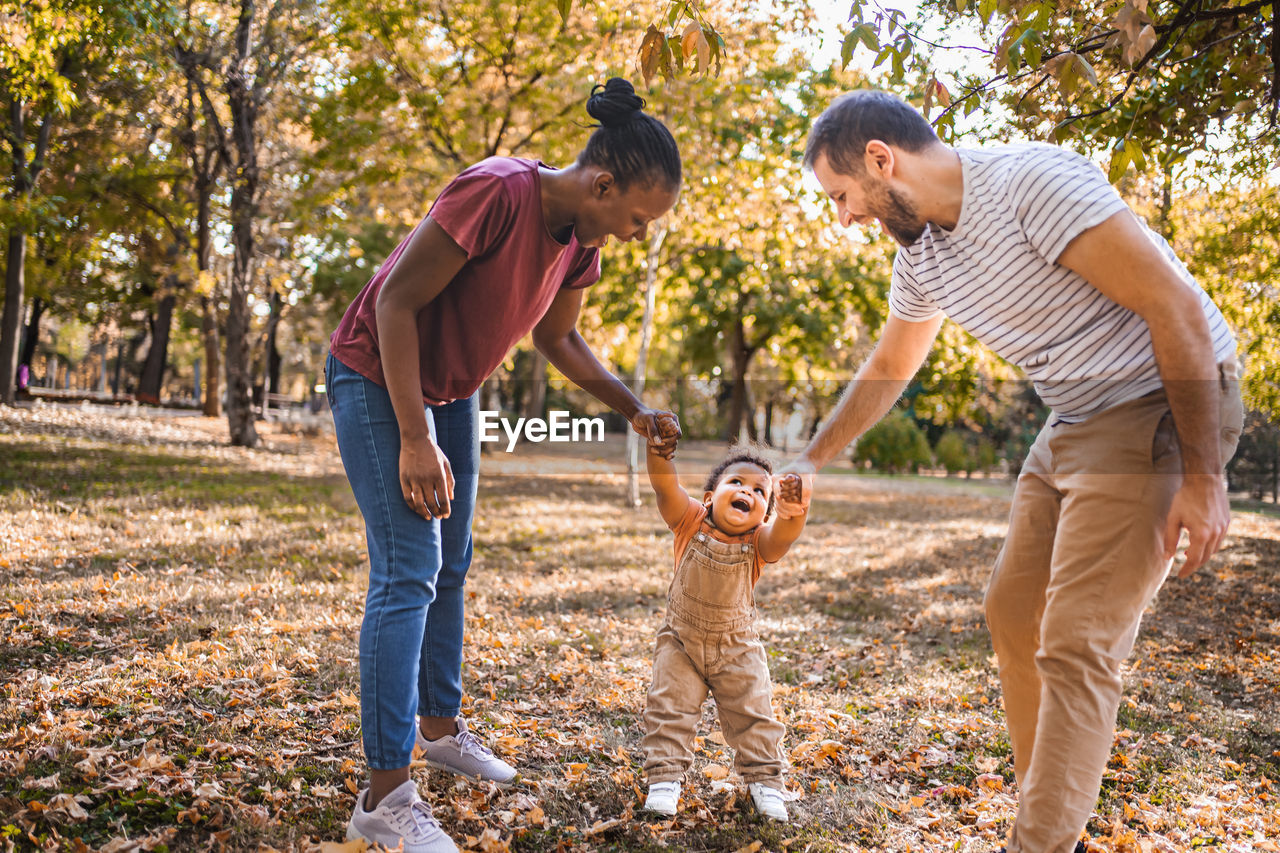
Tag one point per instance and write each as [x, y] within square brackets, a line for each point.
[668, 431]
[793, 497]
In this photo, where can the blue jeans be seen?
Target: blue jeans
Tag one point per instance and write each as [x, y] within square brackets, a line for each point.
[411, 637]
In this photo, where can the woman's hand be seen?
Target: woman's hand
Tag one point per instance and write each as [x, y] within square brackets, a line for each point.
[660, 427]
[426, 479]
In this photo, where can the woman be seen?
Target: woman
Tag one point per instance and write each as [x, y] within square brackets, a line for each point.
[506, 249]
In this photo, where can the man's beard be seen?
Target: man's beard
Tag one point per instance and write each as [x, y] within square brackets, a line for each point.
[898, 216]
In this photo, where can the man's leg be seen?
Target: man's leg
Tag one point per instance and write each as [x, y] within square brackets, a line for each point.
[1117, 473]
[1015, 598]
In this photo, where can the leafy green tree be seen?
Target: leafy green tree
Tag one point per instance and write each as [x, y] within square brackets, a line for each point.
[952, 453]
[1230, 239]
[754, 281]
[1150, 81]
[428, 89]
[896, 444]
[51, 52]
[1256, 466]
[242, 65]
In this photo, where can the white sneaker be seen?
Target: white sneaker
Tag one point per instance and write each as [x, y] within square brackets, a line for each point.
[464, 754]
[401, 818]
[663, 798]
[768, 801]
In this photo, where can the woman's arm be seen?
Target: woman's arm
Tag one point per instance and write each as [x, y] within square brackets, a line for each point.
[428, 263]
[556, 336]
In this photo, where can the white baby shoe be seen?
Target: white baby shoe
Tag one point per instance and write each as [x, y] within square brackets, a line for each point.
[663, 797]
[768, 801]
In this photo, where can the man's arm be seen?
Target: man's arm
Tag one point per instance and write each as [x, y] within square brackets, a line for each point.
[556, 336]
[897, 356]
[1119, 259]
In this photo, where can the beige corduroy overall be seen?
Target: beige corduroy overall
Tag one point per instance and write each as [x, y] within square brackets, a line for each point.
[708, 643]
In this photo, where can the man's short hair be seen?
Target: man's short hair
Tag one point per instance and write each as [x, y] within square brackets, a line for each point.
[854, 119]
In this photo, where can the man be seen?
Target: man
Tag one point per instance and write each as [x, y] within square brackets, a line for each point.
[1030, 249]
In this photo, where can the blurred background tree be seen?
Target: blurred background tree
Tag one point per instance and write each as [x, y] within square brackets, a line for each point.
[206, 185]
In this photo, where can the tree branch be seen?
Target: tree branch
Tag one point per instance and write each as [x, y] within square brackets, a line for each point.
[16, 133]
[42, 147]
[191, 66]
[1275, 60]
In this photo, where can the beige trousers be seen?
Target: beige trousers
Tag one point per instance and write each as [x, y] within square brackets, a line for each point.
[688, 663]
[1082, 560]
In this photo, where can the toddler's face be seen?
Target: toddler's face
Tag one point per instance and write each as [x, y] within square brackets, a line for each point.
[741, 498]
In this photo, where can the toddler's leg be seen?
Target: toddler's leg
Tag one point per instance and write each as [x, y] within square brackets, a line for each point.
[672, 710]
[744, 694]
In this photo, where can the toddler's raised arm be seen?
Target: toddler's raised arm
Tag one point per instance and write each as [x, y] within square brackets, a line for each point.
[790, 513]
[673, 500]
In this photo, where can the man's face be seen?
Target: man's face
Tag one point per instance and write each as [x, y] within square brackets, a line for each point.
[867, 197]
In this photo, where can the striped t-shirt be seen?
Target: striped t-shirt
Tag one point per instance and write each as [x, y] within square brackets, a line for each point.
[995, 274]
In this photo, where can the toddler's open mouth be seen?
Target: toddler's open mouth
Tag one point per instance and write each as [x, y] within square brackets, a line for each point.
[741, 505]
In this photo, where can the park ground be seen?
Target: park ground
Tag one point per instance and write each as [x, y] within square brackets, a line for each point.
[178, 625]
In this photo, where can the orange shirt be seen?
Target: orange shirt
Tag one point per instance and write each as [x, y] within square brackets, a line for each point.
[695, 519]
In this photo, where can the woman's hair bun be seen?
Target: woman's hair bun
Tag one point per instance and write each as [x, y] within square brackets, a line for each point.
[615, 103]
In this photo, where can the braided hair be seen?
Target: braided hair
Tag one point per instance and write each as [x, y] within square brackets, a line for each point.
[631, 144]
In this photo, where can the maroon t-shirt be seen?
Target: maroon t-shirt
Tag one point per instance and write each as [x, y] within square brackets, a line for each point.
[514, 269]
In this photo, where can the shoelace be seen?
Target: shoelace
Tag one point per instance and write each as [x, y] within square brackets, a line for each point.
[417, 823]
[467, 742]
[769, 796]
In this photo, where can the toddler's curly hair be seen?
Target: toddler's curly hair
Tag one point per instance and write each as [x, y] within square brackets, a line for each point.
[748, 453]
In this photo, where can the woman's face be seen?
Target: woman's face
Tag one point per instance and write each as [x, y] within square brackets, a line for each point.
[623, 214]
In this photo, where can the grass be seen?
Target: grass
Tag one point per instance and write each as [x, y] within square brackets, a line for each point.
[178, 625]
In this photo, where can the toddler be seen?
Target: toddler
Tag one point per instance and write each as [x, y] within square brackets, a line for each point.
[708, 640]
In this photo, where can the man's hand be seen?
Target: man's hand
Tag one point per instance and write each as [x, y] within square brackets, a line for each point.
[794, 492]
[426, 478]
[1200, 506]
[661, 428]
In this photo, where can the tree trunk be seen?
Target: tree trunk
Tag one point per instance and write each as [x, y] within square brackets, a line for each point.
[24, 180]
[13, 285]
[212, 358]
[151, 382]
[101, 348]
[740, 354]
[208, 159]
[536, 402]
[31, 337]
[272, 381]
[118, 369]
[244, 210]
[208, 304]
[767, 432]
[239, 381]
[642, 358]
